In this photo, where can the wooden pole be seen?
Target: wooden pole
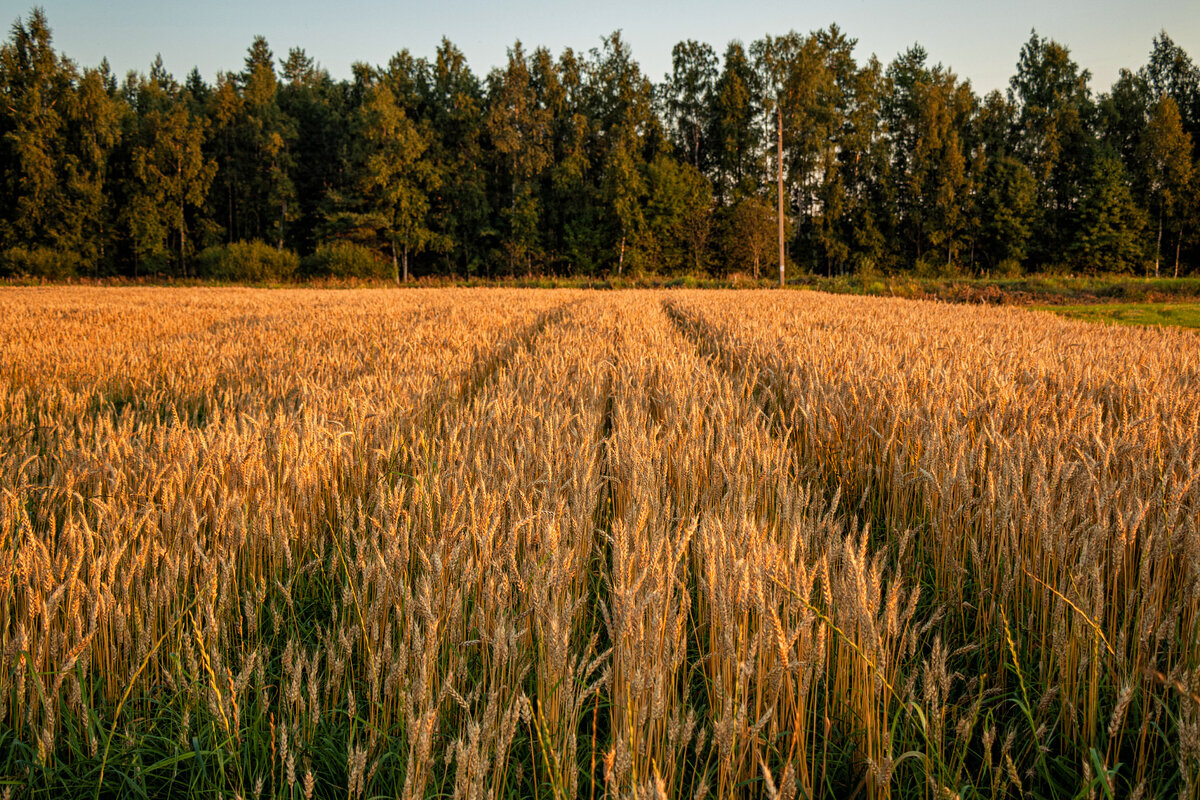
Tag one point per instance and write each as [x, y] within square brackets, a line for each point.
[779, 173]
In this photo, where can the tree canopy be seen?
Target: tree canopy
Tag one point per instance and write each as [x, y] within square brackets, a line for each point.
[581, 164]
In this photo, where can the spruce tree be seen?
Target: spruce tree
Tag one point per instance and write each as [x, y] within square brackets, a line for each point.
[1109, 222]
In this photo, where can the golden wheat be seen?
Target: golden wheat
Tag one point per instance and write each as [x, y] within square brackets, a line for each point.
[493, 543]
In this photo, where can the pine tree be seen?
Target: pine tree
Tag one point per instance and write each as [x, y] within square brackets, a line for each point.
[574, 208]
[57, 131]
[1110, 223]
[940, 177]
[927, 113]
[1170, 72]
[773, 61]
[899, 110]
[623, 189]
[460, 210]
[1123, 113]
[316, 108]
[1007, 194]
[95, 118]
[224, 113]
[268, 135]
[863, 171]
[678, 216]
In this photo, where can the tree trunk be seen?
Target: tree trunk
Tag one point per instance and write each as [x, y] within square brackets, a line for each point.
[621, 257]
[406, 263]
[229, 205]
[1158, 244]
[779, 177]
[1178, 242]
[395, 265]
[182, 263]
[182, 218]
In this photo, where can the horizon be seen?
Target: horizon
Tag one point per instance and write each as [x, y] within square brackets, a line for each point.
[215, 38]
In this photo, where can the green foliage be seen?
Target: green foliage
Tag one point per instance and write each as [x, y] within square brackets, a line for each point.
[734, 138]
[346, 260]
[392, 178]
[58, 128]
[623, 188]
[1110, 224]
[249, 262]
[1165, 156]
[167, 174]
[519, 126]
[1170, 72]
[38, 262]
[689, 95]
[1007, 205]
[748, 237]
[678, 217]
[580, 165]
[1055, 140]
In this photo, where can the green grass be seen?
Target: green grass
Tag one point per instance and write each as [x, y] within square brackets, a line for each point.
[1183, 315]
[1028, 289]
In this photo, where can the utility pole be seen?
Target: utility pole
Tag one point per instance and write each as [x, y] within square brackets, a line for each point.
[779, 166]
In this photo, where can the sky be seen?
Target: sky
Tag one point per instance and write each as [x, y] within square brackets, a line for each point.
[979, 39]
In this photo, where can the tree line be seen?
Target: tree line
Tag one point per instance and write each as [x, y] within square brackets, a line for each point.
[581, 164]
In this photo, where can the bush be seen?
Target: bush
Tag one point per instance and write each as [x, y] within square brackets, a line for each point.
[346, 260]
[1008, 268]
[935, 267]
[252, 262]
[38, 262]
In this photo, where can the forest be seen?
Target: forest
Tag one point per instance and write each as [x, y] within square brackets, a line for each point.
[581, 164]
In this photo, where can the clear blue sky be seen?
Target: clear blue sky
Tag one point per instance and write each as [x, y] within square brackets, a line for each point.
[979, 39]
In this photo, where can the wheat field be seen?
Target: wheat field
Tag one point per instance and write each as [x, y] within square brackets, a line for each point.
[490, 543]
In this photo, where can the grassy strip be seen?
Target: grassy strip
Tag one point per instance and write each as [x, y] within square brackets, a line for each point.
[1024, 290]
[1183, 315]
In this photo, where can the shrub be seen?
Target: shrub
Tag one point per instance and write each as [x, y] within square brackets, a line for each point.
[1008, 268]
[935, 267]
[252, 262]
[346, 260]
[38, 262]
